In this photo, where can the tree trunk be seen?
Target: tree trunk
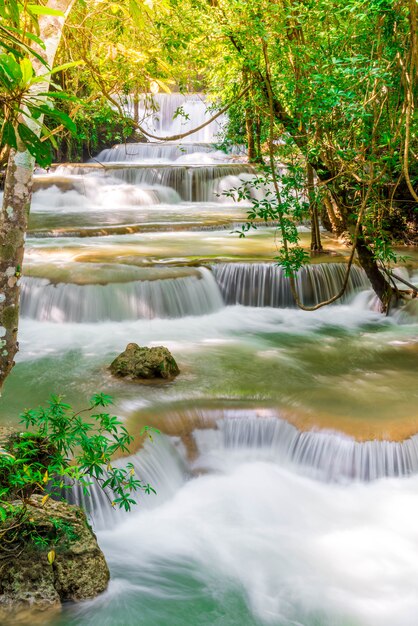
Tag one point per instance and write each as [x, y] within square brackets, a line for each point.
[338, 217]
[17, 199]
[258, 139]
[136, 107]
[380, 285]
[316, 244]
[334, 216]
[249, 126]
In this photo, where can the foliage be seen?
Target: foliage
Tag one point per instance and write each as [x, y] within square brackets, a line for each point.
[23, 75]
[120, 54]
[99, 125]
[334, 88]
[337, 83]
[62, 449]
[285, 210]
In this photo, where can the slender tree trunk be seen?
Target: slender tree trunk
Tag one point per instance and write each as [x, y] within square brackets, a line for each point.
[136, 107]
[249, 126]
[325, 221]
[249, 122]
[17, 188]
[258, 139]
[17, 199]
[316, 244]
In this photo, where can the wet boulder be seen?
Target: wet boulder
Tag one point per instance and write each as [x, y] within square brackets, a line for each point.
[140, 363]
[35, 577]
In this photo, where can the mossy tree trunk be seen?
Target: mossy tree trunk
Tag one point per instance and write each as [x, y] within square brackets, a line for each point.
[17, 198]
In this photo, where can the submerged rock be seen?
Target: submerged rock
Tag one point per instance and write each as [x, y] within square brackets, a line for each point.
[140, 363]
[75, 570]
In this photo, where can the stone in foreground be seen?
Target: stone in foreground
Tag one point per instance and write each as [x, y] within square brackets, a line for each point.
[140, 363]
[29, 582]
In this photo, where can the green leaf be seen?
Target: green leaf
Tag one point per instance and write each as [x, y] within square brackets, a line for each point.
[101, 399]
[136, 12]
[46, 132]
[27, 35]
[27, 72]
[59, 68]
[66, 66]
[60, 95]
[9, 135]
[37, 9]
[163, 85]
[57, 115]
[7, 36]
[51, 556]
[40, 150]
[10, 70]
[13, 11]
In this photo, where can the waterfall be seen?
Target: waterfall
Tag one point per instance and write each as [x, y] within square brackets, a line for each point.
[326, 455]
[192, 183]
[166, 151]
[200, 293]
[53, 192]
[165, 114]
[236, 436]
[264, 284]
[261, 434]
[197, 294]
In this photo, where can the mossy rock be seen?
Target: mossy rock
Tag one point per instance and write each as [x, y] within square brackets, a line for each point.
[140, 363]
[29, 581]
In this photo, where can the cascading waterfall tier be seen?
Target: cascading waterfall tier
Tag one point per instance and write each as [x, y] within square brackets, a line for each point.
[264, 284]
[192, 183]
[326, 455]
[170, 114]
[197, 294]
[233, 436]
[167, 151]
[58, 193]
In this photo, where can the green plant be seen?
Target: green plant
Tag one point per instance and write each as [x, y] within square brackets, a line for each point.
[99, 125]
[286, 213]
[24, 76]
[62, 449]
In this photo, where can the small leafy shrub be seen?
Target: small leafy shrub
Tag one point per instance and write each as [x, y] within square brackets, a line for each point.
[284, 212]
[63, 448]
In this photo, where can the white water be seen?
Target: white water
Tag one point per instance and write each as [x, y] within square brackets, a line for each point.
[233, 437]
[75, 192]
[228, 325]
[296, 550]
[256, 284]
[157, 114]
[193, 183]
[197, 294]
[167, 152]
[200, 293]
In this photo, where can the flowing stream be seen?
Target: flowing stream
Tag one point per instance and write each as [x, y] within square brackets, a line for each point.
[287, 466]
